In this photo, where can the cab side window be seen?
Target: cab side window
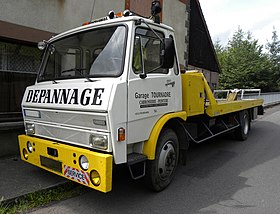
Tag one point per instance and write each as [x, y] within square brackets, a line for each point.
[146, 53]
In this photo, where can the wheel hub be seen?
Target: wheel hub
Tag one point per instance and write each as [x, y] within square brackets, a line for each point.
[246, 124]
[167, 160]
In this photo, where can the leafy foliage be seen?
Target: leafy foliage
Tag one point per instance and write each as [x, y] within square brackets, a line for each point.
[274, 55]
[244, 64]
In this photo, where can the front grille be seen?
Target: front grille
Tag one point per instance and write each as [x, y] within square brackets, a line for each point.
[51, 164]
[75, 119]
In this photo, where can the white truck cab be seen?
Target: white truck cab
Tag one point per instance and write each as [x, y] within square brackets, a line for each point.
[89, 84]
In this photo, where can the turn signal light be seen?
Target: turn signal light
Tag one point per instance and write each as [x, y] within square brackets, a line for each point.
[121, 134]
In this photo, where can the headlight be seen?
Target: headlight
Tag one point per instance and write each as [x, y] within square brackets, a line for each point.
[98, 141]
[30, 128]
[29, 146]
[84, 162]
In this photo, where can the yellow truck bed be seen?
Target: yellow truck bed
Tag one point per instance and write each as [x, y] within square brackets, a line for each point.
[199, 99]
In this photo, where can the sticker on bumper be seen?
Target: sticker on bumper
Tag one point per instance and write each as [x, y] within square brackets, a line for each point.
[76, 175]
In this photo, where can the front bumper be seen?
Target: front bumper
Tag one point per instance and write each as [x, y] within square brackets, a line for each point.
[63, 160]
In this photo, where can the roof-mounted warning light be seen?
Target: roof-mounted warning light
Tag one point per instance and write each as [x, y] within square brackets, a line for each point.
[126, 13]
[111, 15]
[86, 23]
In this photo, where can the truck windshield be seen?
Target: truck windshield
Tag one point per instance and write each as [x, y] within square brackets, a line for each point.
[95, 53]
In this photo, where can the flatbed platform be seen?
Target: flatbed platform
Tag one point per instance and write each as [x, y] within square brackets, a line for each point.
[225, 107]
[198, 98]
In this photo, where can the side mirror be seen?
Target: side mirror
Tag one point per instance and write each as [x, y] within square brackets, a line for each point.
[167, 53]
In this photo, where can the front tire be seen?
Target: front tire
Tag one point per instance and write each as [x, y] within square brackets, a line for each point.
[160, 171]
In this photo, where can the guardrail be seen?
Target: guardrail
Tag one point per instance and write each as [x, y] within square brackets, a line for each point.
[271, 98]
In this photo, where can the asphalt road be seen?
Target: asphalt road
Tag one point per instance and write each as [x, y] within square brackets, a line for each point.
[221, 176]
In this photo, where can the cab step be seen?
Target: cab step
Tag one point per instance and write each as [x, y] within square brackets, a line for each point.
[137, 165]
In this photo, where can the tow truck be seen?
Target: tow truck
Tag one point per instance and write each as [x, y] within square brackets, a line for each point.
[111, 92]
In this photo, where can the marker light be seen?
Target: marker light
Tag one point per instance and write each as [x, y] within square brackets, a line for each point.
[84, 162]
[95, 178]
[29, 146]
[121, 134]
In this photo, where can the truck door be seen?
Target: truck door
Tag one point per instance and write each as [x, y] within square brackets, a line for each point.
[152, 96]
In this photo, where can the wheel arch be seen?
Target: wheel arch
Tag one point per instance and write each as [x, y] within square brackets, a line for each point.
[172, 121]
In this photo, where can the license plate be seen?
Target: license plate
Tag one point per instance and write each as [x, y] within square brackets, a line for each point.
[76, 175]
[51, 164]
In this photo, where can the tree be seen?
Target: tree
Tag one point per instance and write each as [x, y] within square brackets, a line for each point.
[244, 65]
[273, 48]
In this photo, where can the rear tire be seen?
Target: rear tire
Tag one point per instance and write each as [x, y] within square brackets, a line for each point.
[160, 171]
[241, 133]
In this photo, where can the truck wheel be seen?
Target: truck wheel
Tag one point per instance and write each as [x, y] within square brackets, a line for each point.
[241, 133]
[160, 171]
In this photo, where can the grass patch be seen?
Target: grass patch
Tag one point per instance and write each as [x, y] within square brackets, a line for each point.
[41, 198]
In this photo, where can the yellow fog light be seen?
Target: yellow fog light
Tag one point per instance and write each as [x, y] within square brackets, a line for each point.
[25, 154]
[95, 178]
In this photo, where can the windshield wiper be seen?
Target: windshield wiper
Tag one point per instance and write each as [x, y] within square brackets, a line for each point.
[43, 77]
[79, 71]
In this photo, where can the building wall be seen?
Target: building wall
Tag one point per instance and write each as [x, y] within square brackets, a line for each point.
[211, 77]
[174, 15]
[55, 15]
[60, 15]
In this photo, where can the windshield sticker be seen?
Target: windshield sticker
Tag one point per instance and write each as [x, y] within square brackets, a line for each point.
[75, 96]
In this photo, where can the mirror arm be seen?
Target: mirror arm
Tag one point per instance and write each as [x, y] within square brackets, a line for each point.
[142, 20]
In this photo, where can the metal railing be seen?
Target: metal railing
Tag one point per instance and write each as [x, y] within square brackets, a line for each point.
[271, 98]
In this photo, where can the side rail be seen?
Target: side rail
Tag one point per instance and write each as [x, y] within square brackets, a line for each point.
[237, 94]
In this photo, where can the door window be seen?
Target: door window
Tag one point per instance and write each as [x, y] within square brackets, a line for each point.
[146, 53]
